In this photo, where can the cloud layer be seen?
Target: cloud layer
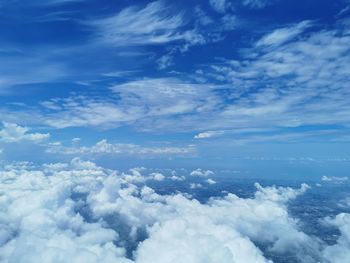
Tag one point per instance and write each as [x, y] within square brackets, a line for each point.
[82, 212]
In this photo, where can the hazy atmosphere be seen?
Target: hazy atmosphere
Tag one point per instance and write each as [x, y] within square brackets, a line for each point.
[208, 131]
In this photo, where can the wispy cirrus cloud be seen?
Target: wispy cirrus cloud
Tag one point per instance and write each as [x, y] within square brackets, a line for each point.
[256, 4]
[266, 88]
[133, 102]
[223, 6]
[160, 24]
[152, 24]
[103, 147]
[282, 35]
[220, 5]
[275, 86]
[21, 67]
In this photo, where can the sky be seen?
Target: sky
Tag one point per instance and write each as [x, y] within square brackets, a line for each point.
[256, 88]
[175, 131]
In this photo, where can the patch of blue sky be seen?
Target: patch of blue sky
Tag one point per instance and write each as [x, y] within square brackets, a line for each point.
[202, 77]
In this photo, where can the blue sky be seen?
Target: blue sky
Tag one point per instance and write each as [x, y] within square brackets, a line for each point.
[259, 86]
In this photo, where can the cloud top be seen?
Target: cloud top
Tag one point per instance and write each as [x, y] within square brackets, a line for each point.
[80, 211]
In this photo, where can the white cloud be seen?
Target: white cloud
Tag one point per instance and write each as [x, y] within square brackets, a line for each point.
[157, 176]
[29, 67]
[135, 175]
[200, 172]
[211, 181]
[166, 96]
[220, 5]
[137, 102]
[177, 178]
[103, 147]
[345, 203]
[88, 111]
[208, 134]
[279, 194]
[270, 90]
[229, 22]
[195, 185]
[264, 88]
[334, 178]
[256, 4]
[273, 90]
[76, 140]
[12, 132]
[19, 165]
[165, 61]
[153, 24]
[223, 6]
[340, 252]
[280, 36]
[87, 213]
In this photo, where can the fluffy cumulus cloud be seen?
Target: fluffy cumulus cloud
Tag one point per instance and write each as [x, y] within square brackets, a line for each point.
[158, 176]
[200, 172]
[12, 132]
[178, 178]
[340, 252]
[211, 181]
[81, 212]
